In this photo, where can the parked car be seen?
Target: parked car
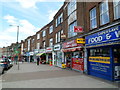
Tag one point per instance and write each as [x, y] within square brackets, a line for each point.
[11, 62]
[1, 69]
[5, 63]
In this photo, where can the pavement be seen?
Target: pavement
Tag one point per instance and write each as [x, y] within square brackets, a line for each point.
[30, 75]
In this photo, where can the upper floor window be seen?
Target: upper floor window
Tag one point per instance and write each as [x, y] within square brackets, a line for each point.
[33, 40]
[44, 33]
[38, 36]
[71, 6]
[51, 29]
[93, 20]
[44, 44]
[28, 44]
[56, 37]
[71, 32]
[104, 13]
[116, 4]
[58, 34]
[62, 32]
[38, 45]
[72, 17]
[59, 20]
[51, 42]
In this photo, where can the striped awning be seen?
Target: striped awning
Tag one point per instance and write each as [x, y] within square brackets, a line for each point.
[39, 54]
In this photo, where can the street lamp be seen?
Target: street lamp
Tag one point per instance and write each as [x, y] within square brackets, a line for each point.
[17, 41]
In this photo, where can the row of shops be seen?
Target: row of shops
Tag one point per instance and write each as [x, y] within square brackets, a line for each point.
[96, 54]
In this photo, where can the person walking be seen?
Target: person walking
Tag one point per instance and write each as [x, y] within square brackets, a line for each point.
[38, 60]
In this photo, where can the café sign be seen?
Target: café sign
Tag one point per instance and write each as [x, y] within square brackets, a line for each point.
[111, 34]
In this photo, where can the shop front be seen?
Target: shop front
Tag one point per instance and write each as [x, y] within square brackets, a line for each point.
[35, 51]
[42, 56]
[74, 54]
[31, 59]
[57, 55]
[49, 59]
[104, 54]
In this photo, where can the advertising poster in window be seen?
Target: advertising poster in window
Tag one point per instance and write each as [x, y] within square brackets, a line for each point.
[78, 64]
[100, 65]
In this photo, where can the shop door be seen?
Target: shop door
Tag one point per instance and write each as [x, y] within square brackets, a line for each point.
[116, 53]
[59, 58]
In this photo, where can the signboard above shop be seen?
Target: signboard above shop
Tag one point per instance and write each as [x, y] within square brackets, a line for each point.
[49, 49]
[71, 44]
[106, 36]
[80, 40]
[57, 47]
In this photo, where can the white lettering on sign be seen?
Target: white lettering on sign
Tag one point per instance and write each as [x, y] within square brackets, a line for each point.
[108, 36]
[96, 39]
[117, 33]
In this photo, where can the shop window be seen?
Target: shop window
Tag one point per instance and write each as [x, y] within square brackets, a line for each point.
[78, 54]
[102, 52]
[104, 13]
[116, 4]
[93, 20]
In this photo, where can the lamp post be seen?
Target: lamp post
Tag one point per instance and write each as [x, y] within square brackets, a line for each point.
[17, 43]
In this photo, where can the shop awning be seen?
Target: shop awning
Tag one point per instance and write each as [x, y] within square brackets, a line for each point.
[71, 49]
[39, 54]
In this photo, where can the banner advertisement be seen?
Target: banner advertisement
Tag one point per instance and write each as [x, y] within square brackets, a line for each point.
[78, 64]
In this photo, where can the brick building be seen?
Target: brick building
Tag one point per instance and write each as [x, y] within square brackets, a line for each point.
[103, 39]
[93, 50]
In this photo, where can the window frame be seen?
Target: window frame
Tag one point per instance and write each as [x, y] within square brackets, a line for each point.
[38, 36]
[114, 7]
[50, 42]
[51, 29]
[93, 18]
[69, 31]
[104, 12]
[43, 33]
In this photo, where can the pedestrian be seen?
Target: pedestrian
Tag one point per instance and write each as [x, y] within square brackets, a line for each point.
[38, 60]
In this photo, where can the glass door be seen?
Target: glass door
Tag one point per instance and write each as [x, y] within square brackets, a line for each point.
[116, 52]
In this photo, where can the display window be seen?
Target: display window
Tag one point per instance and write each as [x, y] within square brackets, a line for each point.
[102, 52]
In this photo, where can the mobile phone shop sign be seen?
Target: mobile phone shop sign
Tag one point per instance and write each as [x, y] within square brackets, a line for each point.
[111, 34]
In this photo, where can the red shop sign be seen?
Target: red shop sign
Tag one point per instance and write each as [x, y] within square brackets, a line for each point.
[78, 64]
[78, 29]
[70, 44]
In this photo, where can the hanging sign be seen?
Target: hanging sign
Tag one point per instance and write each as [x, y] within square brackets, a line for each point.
[78, 29]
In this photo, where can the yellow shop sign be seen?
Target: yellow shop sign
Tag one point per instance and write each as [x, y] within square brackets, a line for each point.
[80, 40]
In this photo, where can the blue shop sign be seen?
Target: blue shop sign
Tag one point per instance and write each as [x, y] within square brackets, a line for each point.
[106, 36]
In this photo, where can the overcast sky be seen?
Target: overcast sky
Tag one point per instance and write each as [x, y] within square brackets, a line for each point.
[30, 15]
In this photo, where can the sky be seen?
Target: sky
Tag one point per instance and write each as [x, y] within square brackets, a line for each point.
[29, 15]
